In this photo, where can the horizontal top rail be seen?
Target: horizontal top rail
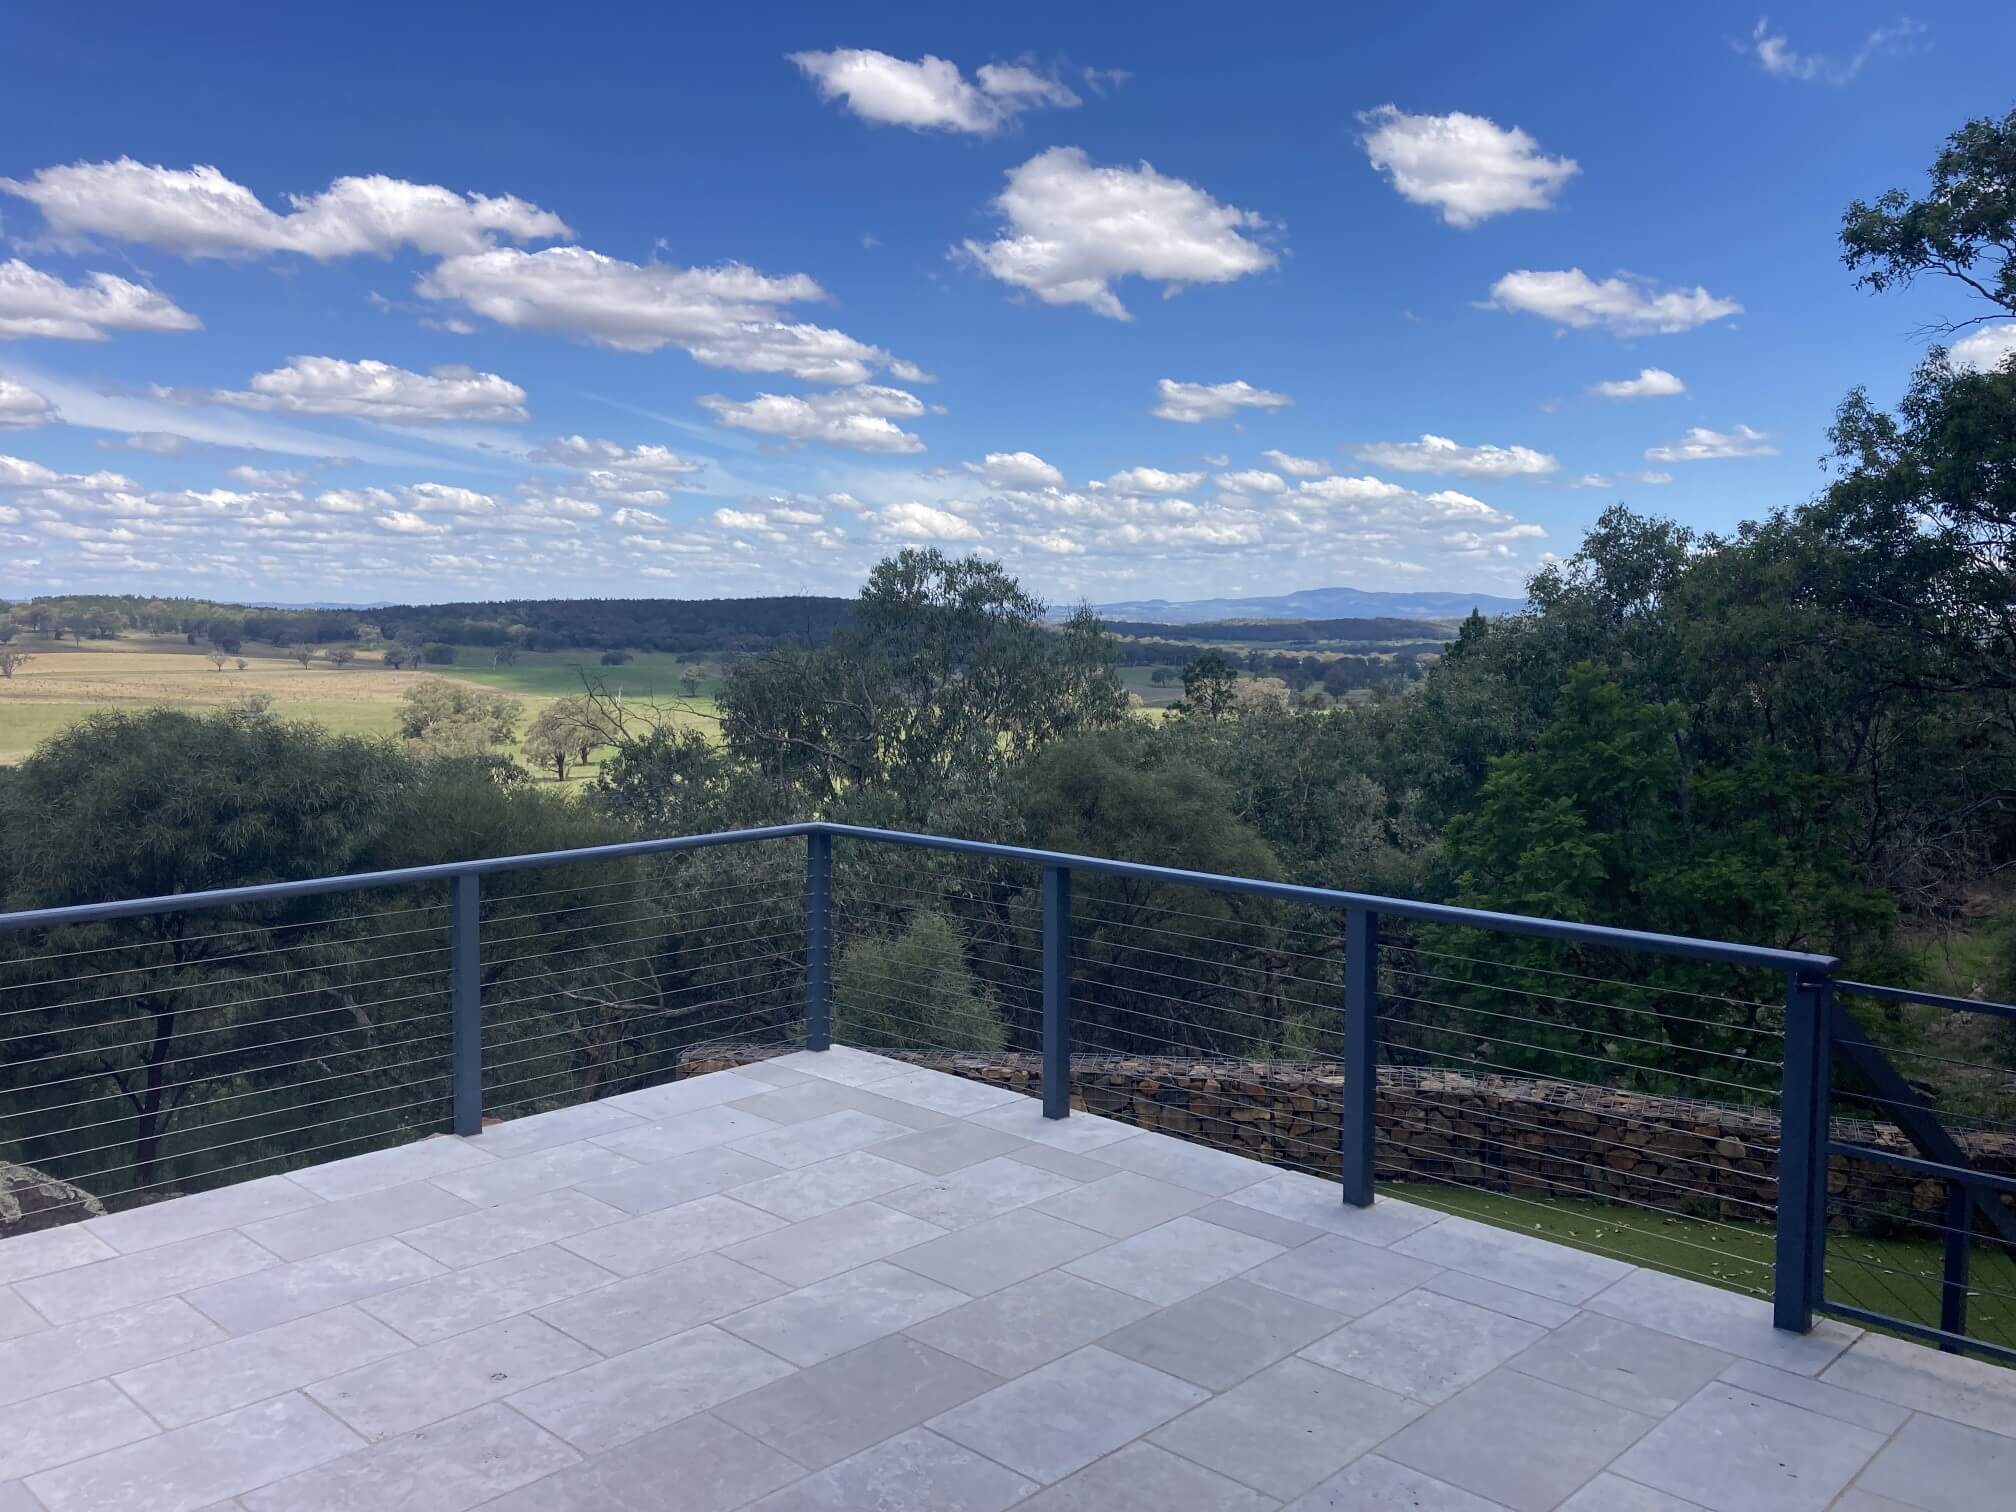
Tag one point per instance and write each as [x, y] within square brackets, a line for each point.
[1929, 999]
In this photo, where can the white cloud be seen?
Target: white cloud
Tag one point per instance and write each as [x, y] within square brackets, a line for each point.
[857, 418]
[1468, 167]
[156, 443]
[1439, 454]
[1019, 469]
[198, 212]
[1072, 227]
[19, 472]
[1985, 350]
[21, 408]
[1625, 305]
[1152, 480]
[372, 390]
[1701, 444]
[356, 500]
[1189, 403]
[931, 93]
[270, 479]
[1349, 490]
[641, 474]
[1651, 383]
[923, 522]
[1773, 51]
[1298, 467]
[405, 522]
[447, 498]
[34, 303]
[1252, 481]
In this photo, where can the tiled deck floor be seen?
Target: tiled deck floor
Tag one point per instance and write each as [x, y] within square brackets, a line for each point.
[834, 1281]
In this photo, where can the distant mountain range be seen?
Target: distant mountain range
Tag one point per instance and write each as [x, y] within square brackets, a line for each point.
[1314, 603]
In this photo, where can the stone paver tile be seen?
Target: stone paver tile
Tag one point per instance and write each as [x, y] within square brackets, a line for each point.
[942, 1092]
[1062, 1416]
[985, 1257]
[1343, 1275]
[539, 1131]
[1165, 1264]
[1373, 1484]
[421, 1160]
[489, 1232]
[51, 1430]
[255, 1366]
[853, 1068]
[159, 1223]
[17, 1317]
[612, 1401]
[1081, 1133]
[824, 1186]
[821, 1138]
[201, 1465]
[1428, 1347]
[1287, 1428]
[1216, 1173]
[802, 1253]
[445, 1467]
[709, 1466]
[14, 1497]
[434, 1381]
[51, 1249]
[690, 1095]
[308, 1286]
[1069, 1163]
[1613, 1493]
[1944, 1467]
[1122, 1205]
[1949, 1386]
[1320, 1204]
[1623, 1364]
[487, 1293]
[1143, 1478]
[656, 1240]
[1031, 1323]
[1511, 1439]
[814, 1097]
[54, 1358]
[683, 1133]
[1514, 1259]
[628, 1314]
[336, 1225]
[1720, 1319]
[949, 1147]
[1855, 1499]
[968, 1196]
[843, 1405]
[129, 1280]
[1285, 1232]
[700, 1174]
[1873, 1413]
[918, 1471]
[1219, 1337]
[831, 1317]
[772, 1074]
[1736, 1451]
[527, 1175]
[1509, 1300]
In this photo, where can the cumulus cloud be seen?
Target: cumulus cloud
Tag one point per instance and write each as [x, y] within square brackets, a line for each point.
[930, 94]
[1188, 403]
[274, 480]
[922, 522]
[371, 390]
[1775, 55]
[1625, 305]
[198, 212]
[1651, 383]
[1439, 454]
[1071, 227]
[1018, 469]
[1349, 490]
[21, 408]
[34, 303]
[1466, 166]
[1253, 481]
[1298, 467]
[1985, 350]
[1152, 480]
[1701, 444]
[858, 418]
[20, 472]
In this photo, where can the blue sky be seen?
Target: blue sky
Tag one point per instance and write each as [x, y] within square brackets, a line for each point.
[421, 302]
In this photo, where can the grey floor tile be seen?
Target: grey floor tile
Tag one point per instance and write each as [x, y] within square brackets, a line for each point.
[1949, 1386]
[1287, 1428]
[802, 1253]
[1509, 1300]
[1143, 1478]
[1623, 1364]
[302, 1287]
[14, 1497]
[159, 1223]
[17, 1317]
[1613, 1493]
[1514, 1259]
[772, 1074]
[1855, 1499]
[445, 1467]
[51, 1430]
[1511, 1439]
[1373, 1484]
[854, 1068]
[1767, 1456]
[612, 1319]
[201, 1465]
[1873, 1413]
[544, 1170]
[51, 1249]
[1031, 1323]
[421, 1160]
[852, 1401]
[814, 1097]
[1320, 1204]
[1343, 1275]
[700, 1174]
[1737, 1325]
[918, 1471]
[1285, 1232]
[599, 1406]
[487, 1293]
[1216, 1173]
[825, 1185]
[489, 1232]
[252, 1367]
[434, 1381]
[336, 1225]
[985, 1257]
[653, 1241]
[1080, 1168]
[1426, 1346]
[1080, 1133]
[831, 1317]
[1221, 1336]
[1175, 1260]
[54, 1358]
[707, 1465]
[949, 1147]
[129, 1280]
[683, 1133]
[688, 1095]
[970, 1195]
[1944, 1467]
[1122, 1205]
[801, 1144]
[539, 1131]
[1062, 1416]
[944, 1093]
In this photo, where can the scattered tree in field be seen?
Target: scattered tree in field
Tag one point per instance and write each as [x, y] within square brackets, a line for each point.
[505, 655]
[8, 630]
[689, 683]
[241, 663]
[446, 718]
[402, 654]
[369, 636]
[1210, 685]
[302, 654]
[616, 658]
[12, 661]
[342, 656]
[219, 656]
[554, 740]
[438, 653]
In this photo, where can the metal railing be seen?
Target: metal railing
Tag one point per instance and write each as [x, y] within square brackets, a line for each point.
[1566, 1078]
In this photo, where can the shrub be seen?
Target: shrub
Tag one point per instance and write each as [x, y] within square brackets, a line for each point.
[913, 991]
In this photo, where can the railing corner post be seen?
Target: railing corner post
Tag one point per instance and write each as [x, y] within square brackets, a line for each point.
[1804, 1133]
[1056, 991]
[818, 940]
[1357, 1123]
[465, 1000]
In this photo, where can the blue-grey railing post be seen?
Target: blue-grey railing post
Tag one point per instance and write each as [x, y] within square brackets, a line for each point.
[465, 1000]
[1056, 991]
[818, 941]
[1357, 1136]
[1804, 1130]
[1953, 1280]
